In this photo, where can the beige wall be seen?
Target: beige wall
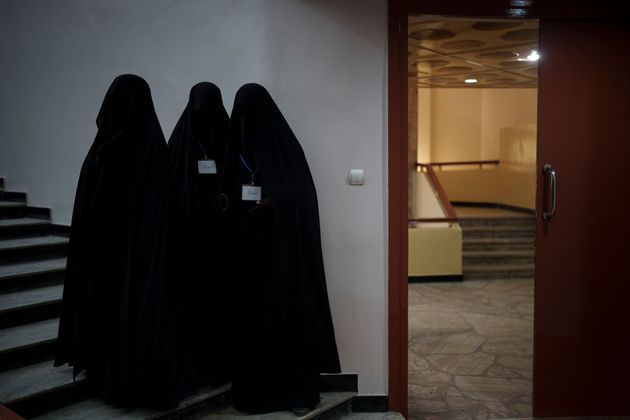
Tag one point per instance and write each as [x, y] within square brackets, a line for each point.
[465, 124]
[513, 182]
[435, 251]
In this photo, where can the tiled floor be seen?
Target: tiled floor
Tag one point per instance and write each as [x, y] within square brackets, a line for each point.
[470, 349]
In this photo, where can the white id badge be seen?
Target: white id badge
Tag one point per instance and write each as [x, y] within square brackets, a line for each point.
[252, 193]
[207, 166]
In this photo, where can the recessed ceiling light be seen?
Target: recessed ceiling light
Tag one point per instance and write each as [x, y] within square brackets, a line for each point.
[470, 81]
[533, 56]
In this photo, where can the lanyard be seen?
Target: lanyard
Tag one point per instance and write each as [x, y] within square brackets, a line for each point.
[203, 149]
[249, 169]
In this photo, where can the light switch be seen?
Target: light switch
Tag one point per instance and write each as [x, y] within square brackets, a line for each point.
[356, 177]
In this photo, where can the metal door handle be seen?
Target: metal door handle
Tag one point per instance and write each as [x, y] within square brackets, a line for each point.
[553, 186]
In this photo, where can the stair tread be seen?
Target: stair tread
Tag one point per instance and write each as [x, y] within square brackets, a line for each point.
[329, 400]
[497, 267]
[32, 267]
[23, 221]
[506, 253]
[28, 242]
[494, 228]
[25, 298]
[390, 415]
[17, 384]
[95, 409]
[519, 240]
[28, 334]
[5, 203]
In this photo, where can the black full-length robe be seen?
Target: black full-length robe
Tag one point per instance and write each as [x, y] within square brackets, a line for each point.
[284, 334]
[203, 322]
[117, 310]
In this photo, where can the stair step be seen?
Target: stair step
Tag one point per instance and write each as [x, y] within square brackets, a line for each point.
[30, 248]
[472, 258]
[28, 343]
[502, 271]
[31, 274]
[497, 221]
[498, 231]
[333, 405]
[38, 387]
[496, 244]
[12, 209]
[25, 306]
[95, 409]
[23, 227]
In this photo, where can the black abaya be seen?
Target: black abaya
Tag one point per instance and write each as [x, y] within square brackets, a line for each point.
[203, 325]
[285, 336]
[117, 310]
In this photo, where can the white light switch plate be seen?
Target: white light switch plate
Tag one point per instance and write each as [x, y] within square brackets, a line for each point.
[356, 177]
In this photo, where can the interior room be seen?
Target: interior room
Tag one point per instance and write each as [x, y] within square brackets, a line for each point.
[472, 127]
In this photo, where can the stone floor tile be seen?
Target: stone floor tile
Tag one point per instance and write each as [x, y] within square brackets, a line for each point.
[492, 389]
[498, 326]
[427, 323]
[515, 346]
[430, 377]
[462, 364]
[447, 344]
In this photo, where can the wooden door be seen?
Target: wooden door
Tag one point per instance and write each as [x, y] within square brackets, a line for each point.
[582, 286]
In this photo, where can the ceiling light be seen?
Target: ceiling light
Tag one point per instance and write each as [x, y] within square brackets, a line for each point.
[470, 81]
[533, 56]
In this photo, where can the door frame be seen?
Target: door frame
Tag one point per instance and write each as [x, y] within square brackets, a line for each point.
[398, 10]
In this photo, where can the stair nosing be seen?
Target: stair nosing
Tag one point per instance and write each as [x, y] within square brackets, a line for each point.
[62, 240]
[35, 272]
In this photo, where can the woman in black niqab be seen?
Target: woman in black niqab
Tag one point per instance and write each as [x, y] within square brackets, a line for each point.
[197, 152]
[117, 310]
[284, 333]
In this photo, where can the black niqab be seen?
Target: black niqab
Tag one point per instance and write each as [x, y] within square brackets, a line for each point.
[117, 310]
[285, 336]
[203, 288]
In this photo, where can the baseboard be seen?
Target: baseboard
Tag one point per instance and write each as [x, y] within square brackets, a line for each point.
[433, 279]
[523, 210]
[339, 382]
[370, 404]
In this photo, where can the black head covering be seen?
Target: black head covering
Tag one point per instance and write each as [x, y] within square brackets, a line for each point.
[116, 311]
[279, 271]
[203, 329]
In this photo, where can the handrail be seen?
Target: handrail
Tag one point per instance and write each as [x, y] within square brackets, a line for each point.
[434, 220]
[446, 204]
[461, 163]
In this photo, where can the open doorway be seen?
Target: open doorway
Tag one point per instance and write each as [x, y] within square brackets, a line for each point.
[472, 99]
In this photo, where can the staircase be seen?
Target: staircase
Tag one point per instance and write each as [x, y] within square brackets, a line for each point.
[32, 265]
[498, 247]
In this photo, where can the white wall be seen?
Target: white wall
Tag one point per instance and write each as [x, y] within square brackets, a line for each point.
[324, 62]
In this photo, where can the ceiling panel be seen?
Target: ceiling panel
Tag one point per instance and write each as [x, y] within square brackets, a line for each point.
[443, 52]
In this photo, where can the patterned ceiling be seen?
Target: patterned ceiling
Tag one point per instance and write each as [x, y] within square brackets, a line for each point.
[443, 52]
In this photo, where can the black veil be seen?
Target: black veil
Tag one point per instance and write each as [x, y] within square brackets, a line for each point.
[203, 286]
[117, 310]
[285, 336]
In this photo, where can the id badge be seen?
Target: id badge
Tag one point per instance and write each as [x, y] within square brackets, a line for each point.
[207, 166]
[252, 193]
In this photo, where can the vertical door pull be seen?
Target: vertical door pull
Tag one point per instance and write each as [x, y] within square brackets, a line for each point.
[553, 189]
